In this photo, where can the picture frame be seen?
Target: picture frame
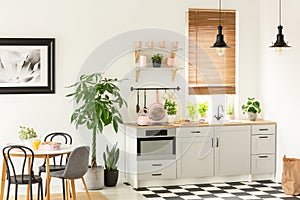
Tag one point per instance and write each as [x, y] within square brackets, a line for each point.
[27, 65]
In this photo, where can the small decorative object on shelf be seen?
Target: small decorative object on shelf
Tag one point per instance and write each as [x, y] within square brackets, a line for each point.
[156, 59]
[170, 62]
[143, 61]
[191, 110]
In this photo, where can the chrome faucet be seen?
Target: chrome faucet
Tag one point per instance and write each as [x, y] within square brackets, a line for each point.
[219, 115]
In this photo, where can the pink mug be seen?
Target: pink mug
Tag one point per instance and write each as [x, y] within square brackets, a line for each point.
[161, 44]
[138, 44]
[150, 44]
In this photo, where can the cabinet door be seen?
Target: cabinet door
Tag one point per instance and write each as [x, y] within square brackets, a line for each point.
[195, 157]
[232, 150]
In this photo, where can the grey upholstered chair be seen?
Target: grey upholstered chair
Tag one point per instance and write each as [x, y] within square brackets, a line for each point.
[76, 167]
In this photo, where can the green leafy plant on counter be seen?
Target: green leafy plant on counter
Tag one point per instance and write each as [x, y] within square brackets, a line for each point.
[230, 109]
[170, 107]
[99, 100]
[111, 157]
[191, 110]
[252, 106]
[202, 108]
[26, 133]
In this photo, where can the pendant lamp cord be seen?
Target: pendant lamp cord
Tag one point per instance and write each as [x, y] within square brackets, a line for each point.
[220, 12]
[280, 12]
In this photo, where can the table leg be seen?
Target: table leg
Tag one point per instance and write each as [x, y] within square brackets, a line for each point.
[68, 189]
[73, 189]
[28, 186]
[48, 177]
[3, 180]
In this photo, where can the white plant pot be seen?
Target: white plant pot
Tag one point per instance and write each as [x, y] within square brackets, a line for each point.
[171, 118]
[252, 116]
[29, 142]
[94, 178]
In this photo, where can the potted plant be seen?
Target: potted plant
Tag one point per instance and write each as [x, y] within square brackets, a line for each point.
[99, 101]
[170, 107]
[111, 172]
[202, 108]
[27, 135]
[191, 110]
[252, 108]
[156, 60]
[230, 111]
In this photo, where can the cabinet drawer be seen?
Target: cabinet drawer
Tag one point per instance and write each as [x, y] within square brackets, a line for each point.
[263, 144]
[194, 131]
[263, 129]
[263, 164]
[154, 170]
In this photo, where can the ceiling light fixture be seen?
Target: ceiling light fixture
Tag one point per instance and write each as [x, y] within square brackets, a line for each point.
[220, 44]
[280, 43]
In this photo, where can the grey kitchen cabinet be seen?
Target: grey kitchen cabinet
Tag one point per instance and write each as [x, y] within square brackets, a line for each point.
[195, 152]
[213, 151]
[263, 149]
[232, 150]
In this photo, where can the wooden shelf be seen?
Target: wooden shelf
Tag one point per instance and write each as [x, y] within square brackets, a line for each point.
[147, 68]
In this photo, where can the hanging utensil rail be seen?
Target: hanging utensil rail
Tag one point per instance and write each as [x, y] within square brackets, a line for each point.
[175, 88]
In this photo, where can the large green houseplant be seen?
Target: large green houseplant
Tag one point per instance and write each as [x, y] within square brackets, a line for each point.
[99, 101]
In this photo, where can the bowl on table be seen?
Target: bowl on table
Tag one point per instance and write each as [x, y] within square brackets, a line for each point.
[50, 146]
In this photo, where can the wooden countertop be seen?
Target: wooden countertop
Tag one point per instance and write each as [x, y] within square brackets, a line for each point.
[202, 124]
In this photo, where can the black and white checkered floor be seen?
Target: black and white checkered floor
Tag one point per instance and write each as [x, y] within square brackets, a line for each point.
[229, 190]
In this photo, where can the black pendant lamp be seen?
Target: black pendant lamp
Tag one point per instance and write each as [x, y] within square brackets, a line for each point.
[280, 43]
[220, 44]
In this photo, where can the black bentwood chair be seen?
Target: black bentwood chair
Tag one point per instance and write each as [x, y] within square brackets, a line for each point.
[58, 163]
[17, 155]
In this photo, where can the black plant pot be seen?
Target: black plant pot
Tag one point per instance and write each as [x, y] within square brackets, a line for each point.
[111, 178]
[156, 63]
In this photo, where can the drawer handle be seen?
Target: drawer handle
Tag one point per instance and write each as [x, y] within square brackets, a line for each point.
[156, 165]
[217, 143]
[157, 174]
[263, 129]
[263, 156]
[195, 132]
[263, 136]
[212, 142]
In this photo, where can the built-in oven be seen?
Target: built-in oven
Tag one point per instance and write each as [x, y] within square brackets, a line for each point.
[158, 144]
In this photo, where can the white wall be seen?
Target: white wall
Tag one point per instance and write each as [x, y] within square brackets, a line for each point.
[279, 75]
[81, 26]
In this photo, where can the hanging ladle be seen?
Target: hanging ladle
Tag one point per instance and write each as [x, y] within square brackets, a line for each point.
[145, 99]
[137, 99]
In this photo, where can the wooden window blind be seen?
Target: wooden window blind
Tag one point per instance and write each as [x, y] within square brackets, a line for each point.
[209, 73]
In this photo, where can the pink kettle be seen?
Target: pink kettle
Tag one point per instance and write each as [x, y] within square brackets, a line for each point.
[143, 118]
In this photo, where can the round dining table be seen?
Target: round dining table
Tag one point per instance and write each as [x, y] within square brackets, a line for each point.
[45, 154]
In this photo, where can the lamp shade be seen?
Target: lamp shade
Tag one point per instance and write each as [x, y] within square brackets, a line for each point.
[280, 39]
[220, 43]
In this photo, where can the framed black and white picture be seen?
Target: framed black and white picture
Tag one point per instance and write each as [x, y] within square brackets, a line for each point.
[27, 65]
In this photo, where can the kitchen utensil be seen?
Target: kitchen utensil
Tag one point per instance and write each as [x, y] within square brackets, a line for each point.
[156, 110]
[145, 104]
[137, 99]
[143, 118]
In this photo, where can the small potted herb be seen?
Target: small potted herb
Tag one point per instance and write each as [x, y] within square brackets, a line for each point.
[192, 110]
[252, 108]
[230, 111]
[202, 108]
[156, 60]
[170, 107]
